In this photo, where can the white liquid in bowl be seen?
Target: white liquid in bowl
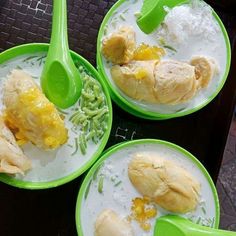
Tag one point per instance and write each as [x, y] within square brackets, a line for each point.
[118, 191]
[54, 164]
[210, 44]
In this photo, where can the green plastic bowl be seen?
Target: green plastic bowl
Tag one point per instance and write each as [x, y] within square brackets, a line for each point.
[119, 147]
[137, 110]
[40, 47]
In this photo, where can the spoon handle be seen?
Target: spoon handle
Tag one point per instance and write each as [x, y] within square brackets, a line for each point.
[59, 36]
[173, 225]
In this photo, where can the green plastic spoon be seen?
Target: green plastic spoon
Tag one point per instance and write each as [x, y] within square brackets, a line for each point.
[153, 13]
[60, 79]
[172, 225]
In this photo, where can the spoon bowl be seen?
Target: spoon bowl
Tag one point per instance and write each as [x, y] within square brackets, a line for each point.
[60, 79]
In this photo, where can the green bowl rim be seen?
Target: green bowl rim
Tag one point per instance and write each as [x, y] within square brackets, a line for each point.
[42, 47]
[118, 147]
[138, 111]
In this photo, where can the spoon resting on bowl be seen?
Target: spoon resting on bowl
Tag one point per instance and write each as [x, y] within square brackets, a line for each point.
[153, 13]
[173, 225]
[60, 79]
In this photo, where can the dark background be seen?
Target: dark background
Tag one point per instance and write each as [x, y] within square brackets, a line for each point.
[204, 133]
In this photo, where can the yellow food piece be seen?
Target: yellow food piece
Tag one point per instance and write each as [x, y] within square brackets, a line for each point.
[141, 73]
[165, 82]
[175, 82]
[136, 80]
[142, 211]
[109, 223]
[205, 69]
[164, 182]
[12, 158]
[145, 52]
[30, 115]
[119, 46]
[20, 138]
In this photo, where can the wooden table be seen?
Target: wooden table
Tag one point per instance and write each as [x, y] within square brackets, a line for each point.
[52, 212]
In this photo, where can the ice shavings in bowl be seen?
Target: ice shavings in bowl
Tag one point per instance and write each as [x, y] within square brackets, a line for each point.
[185, 21]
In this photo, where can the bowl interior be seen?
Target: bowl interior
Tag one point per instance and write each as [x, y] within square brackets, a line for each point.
[120, 154]
[36, 182]
[140, 111]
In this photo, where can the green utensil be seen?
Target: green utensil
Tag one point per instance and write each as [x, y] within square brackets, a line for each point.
[172, 225]
[153, 13]
[60, 80]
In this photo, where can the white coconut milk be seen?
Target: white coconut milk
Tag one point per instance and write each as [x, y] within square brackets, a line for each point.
[55, 164]
[119, 198]
[201, 40]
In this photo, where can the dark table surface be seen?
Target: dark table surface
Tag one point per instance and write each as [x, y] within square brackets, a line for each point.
[52, 212]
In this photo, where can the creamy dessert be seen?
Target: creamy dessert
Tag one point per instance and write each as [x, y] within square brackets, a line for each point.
[51, 143]
[190, 35]
[134, 185]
